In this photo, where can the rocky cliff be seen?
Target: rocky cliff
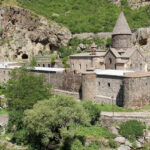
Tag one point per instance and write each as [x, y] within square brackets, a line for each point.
[141, 40]
[133, 3]
[24, 34]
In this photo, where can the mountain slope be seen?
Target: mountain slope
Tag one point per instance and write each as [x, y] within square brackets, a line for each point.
[87, 15]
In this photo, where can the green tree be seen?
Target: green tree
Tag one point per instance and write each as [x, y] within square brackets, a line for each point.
[93, 110]
[23, 90]
[55, 119]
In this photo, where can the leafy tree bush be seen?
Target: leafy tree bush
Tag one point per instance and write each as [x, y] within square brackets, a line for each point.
[20, 137]
[77, 145]
[93, 111]
[132, 129]
[55, 119]
[23, 90]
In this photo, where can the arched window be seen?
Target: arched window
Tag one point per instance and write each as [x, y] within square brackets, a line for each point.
[110, 61]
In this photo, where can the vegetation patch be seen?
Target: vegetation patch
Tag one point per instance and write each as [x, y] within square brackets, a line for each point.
[86, 15]
[132, 129]
[113, 108]
[93, 131]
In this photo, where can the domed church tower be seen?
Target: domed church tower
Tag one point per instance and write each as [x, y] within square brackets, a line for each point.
[121, 37]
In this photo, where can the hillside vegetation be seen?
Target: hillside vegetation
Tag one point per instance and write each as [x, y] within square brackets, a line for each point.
[87, 15]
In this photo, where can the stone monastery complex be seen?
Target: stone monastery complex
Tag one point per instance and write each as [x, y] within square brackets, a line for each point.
[116, 76]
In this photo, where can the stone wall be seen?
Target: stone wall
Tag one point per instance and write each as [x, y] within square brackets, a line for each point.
[89, 86]
[108, 119]
[134, 4]
[136, 91]
[81, 63]
[109, 90]
[93, 35]
[67, 82]
[137, 62]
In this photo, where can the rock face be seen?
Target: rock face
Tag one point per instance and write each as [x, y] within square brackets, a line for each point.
[23, 34]
[135, 4]
[141, 40]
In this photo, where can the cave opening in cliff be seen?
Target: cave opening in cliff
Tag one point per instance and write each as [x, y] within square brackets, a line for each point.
[143, 41]
[24, 56]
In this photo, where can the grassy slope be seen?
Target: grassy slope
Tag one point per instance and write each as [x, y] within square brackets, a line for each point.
[87, 15]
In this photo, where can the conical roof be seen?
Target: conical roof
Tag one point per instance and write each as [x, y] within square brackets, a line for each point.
[93, 45]
[122, 26]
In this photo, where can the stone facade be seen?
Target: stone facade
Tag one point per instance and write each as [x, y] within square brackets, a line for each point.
[110, 61]
[109, 90]
[136, 91]
[121, 41]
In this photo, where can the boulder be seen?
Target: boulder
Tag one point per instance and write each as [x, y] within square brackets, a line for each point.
[124, 147]
[138, 144]
[141, 140]
[120, 140]
[113, 130]
[128, 143]
[147, 135]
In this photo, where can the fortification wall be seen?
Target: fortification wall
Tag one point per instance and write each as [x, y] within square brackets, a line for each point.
[66, 81]
[89, 86]
[136, 91]
[109, 90]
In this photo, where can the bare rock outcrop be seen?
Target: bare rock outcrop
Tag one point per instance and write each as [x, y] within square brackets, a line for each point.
[141, 40]
[24, 34]
[134, 4]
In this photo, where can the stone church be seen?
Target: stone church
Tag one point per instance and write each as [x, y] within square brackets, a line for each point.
[121, 56]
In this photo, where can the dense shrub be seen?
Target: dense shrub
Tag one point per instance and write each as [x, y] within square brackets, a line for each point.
[112, 143]
[20, 137]
[93, 111]
[77, 145]
[132, 129]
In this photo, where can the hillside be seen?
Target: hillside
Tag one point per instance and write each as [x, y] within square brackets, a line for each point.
[86, 15]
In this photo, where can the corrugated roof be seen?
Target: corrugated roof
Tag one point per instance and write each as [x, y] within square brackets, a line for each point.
[122, 26]
[112, 72]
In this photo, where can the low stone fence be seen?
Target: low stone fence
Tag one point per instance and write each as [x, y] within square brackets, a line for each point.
[109, 118]
[93, 35]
